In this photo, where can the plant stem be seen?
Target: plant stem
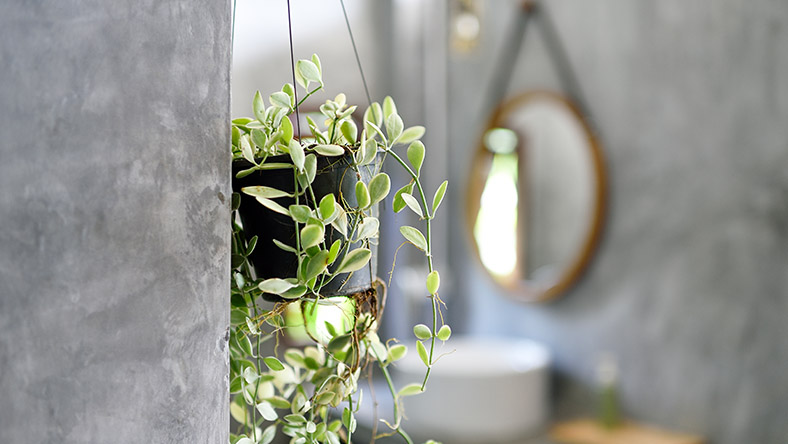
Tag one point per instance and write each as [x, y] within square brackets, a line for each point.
[350, 406]
[428, 238]
[307, 96]
[394, 395]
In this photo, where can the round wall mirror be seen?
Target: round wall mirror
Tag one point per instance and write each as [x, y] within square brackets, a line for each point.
[536, 195]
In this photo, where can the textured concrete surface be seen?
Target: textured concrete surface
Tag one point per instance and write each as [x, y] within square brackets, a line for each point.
[114, 191]
[689, 288]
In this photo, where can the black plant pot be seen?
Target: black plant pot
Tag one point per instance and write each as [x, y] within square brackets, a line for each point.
[334, 175]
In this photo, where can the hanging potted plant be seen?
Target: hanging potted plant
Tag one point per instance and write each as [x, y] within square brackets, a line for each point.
[305, 228]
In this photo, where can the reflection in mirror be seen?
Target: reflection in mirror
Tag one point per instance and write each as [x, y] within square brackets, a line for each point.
[495, 230]
[536, 195]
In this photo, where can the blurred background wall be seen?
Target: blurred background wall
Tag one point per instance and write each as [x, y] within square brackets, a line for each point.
[114, 209]
[689, 287]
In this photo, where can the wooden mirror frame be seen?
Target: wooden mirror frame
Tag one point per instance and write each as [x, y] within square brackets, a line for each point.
[519, 288]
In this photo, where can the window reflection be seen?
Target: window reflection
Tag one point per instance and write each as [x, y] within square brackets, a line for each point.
[495, 230]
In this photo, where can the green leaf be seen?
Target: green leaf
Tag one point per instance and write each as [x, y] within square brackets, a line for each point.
[379, 187]
[369, 148]
[416, 155]
[280, 99]
[287, 130]
[300, 213]
[244, 173]
[258, 107]
[389, 108]
[284, 246]
[355, 260]
[368, 228]
[433, 282]
[288, 89]
[310, 165]
[340, 100]
[297, 154]
[246, 149]
[273, 363]
[250, 246]
[324, 398]
[238, 412]
[411, 134]
[268, 434]
[350, 131]
[236, 260]
[422, 331]
[333, 252]
[316, 265]
[412, 203]
[316, 61]
[275, 286]
[378, 131]
[273, 206]
[410, 389]
[329, 150]
[267, 411]
[444, 333]
[362, 195]
[300, 79]
[340, 222]
[414, 236]
[242, 121]
[396, 353]
[236, 385]
[238, 316]
[339, 342]
[295, 292]
[258, 137]
[394, 126]
[294, 357]
[252, 328]
[332, 438]
[309, 71]
[262, 191]
[438, 198]
[244, 343]
[374, 114]
[327, 206]
[423, 353]
[330, 328]
[312, 235]
[278, 402]
[349, 420]
[399, 204]
[295, 418]
[236, 135]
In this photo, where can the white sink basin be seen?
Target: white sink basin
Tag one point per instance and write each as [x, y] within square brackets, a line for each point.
[490, 390]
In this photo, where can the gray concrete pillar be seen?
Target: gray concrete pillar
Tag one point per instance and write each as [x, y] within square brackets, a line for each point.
[114, 217]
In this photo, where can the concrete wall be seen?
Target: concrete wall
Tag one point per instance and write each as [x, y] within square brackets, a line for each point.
[114, 191]
[689, 288]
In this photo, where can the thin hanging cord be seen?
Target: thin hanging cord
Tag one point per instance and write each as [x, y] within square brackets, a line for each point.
[355, 51]
[292, 67]
[560, 57]
[508, 56]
